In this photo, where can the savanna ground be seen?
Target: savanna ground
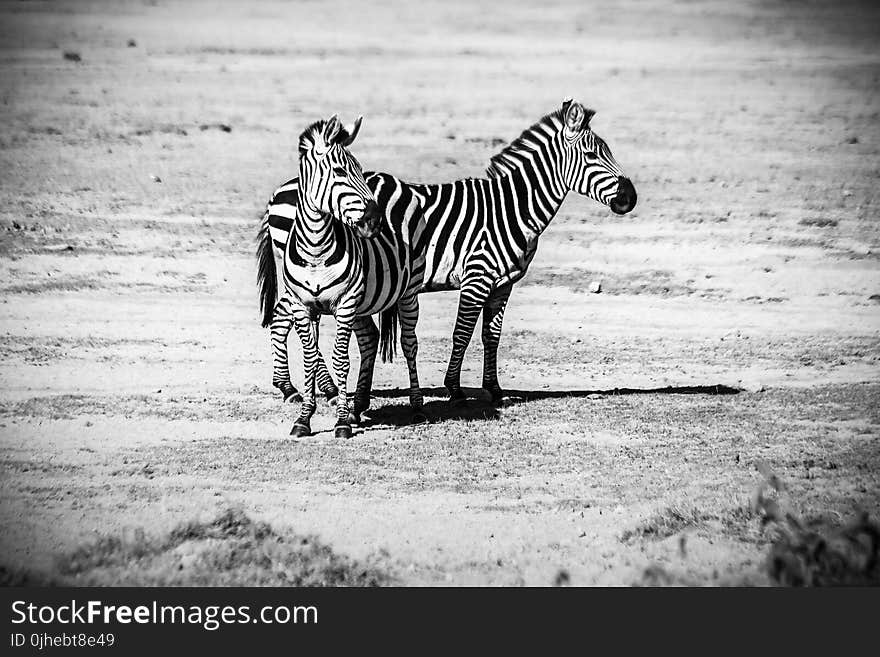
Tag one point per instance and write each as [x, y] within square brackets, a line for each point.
[140, 142]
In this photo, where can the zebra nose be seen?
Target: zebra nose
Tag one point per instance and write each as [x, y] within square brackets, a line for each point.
[369, 224]
[626, 197]
[371, 211]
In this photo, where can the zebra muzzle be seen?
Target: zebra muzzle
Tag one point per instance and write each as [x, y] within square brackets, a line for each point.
[626, 197]
[371, 221]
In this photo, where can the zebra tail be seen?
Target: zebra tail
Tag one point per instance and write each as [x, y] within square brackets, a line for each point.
[266, 276]
[388, 333]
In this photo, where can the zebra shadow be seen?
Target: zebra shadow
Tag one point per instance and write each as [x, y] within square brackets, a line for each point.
[479, 407]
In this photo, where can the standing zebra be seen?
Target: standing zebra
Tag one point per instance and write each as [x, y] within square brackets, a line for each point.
[479, 235]
[351, 269]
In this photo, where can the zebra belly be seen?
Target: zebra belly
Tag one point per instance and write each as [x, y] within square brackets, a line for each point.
[519, 268]
[374, 308]
[438, 287]
[381, 290]
[379, 295]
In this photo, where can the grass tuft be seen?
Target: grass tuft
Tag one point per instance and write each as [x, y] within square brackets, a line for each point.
[230, 550]
[815, 553]
[666, 523]
[819, 222]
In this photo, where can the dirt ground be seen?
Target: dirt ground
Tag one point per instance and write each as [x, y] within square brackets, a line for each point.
[140, 141]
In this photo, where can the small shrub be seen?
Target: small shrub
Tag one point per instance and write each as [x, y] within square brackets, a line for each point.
[814, 553]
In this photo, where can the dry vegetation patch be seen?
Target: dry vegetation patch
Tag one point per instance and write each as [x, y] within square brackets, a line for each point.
[230, 550]
[816, 551]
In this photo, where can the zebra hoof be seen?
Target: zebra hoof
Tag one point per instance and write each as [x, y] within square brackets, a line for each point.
[496, 395]
[300, 430]
[342, 431]
[419, 418]
[293, 397]
[456, 396]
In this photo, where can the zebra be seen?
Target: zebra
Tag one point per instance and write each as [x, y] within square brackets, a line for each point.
[352, 268]
[479, 235]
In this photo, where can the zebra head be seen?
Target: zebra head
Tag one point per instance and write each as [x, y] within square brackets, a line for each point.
[589, 168]
[331, 178]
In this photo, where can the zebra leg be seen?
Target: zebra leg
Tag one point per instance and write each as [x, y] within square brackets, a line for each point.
[368, 342]
[344, 322]
[282, 320]
[408, 312]
[322, 374]
[303, 322]
[474, 292]
[493, 316]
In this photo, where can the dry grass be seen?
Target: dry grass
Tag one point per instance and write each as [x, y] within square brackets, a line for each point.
[815, 552]
[231, 550]
[819, 222]
[668, 522]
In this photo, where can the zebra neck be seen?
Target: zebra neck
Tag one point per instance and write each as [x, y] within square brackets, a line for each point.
[534, 199]
[315, 237]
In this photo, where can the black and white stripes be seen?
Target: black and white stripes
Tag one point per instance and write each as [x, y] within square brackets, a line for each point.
[340, 258]
[480, 235]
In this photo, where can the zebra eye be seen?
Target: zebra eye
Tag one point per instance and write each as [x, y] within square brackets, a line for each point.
[339, 171]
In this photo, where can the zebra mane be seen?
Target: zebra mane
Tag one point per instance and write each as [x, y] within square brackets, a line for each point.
[310, 134]
[501, 163]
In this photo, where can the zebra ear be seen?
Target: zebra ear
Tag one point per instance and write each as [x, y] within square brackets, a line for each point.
[331, 129]
[588, 114]
[355, 129]
[574, 117]
[577, 117]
